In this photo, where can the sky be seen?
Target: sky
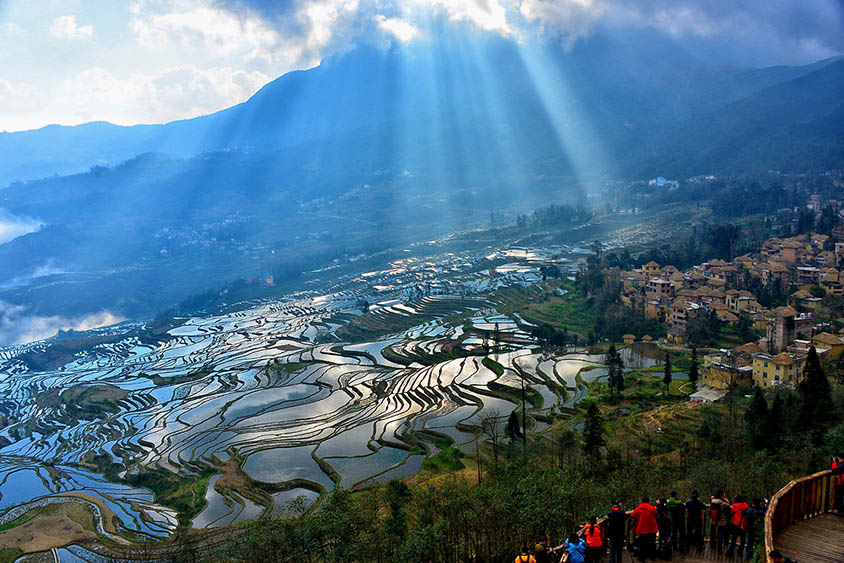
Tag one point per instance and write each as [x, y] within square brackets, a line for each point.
[152, 61]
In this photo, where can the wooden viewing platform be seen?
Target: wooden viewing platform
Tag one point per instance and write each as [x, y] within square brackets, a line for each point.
[799, 523]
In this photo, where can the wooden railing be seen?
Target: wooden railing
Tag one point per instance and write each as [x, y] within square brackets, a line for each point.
[799, 500]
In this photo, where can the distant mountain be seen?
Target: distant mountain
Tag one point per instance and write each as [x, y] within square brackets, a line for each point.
[793, 125]
[376, 149]
[623, 94]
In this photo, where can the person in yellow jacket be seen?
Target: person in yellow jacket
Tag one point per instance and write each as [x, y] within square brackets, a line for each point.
[525, 556]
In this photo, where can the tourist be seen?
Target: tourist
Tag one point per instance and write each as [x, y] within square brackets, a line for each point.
[594, 541]
[575, 547]
[738, 524]
[838, 477]
[525, 556]
[719, 510]
[616, 531]
[678, 522]
[541, 552]
[777, 557]
[663, 519]
[755, 525]
[694, 521]
[645, 527]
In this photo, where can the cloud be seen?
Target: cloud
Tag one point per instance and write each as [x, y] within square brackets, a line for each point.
[157, 60]
[401, 29]
[12, 227]
[810, 28]
[19, 327]
[487, 15]
[65, 27]
[199, 26]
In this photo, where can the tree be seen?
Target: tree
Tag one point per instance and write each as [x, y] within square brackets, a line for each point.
[693, 367]
[776, 424]
[610, 360]
[666, 378]
[593, 431]
[756, 418]
[514, 430]
[816, 408]
[398, 495]
[491, 427]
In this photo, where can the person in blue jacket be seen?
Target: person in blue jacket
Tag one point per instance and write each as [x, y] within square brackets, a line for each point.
[575, 547]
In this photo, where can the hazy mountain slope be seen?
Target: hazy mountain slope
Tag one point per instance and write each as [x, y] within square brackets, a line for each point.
[796, 125]
[619, 87]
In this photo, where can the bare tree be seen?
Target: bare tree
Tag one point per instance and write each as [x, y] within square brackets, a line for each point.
[491, 428]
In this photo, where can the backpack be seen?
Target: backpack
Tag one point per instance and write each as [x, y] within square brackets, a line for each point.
[716, 509]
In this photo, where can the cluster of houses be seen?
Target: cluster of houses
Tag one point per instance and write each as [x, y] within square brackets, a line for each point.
[803, 262]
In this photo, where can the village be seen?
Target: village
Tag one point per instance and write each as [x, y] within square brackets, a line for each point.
[806, 270]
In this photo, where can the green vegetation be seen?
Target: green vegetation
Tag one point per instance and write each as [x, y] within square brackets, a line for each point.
[493, 366]
[545, 305]
[9, 554]
[449, 458]
[185, 494]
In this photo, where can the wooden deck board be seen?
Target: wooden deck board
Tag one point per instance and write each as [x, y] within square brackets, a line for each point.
[819, 539]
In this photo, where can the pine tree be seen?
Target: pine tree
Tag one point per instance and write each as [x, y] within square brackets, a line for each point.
[593, 431]
[757, 419]
[814, 390]
[619, 374]
[666, 378]
[776, 425]
[611, 362]
[693, 367]
[514, 430]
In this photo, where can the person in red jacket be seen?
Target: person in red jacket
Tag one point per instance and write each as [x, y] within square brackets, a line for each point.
[645, 527]
[838, 481]
[738, 524]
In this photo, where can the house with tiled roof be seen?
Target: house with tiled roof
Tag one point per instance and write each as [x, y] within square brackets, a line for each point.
[833, 343]
[802, 300]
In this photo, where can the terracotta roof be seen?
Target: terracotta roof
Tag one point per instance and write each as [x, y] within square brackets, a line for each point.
[677, 276]
[783, 358]
[828, 338]
[727, 316]
[647, 338]
[750, 348]
[801, 294]
[732, 292]
[652, 264]
[626, 336]
[792, 244]
[785, 312]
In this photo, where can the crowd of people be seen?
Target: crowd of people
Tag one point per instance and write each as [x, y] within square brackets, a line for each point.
[672, 525]
[660, 529]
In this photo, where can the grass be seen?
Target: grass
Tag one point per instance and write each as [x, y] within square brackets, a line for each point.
[449, 458]
[493, 366]
[542, 304]
[9, 554]
[184, 494]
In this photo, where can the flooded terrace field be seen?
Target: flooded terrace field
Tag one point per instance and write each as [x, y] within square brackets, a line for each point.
[272, 398]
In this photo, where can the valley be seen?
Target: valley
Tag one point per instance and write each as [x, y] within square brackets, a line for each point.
[209, 421]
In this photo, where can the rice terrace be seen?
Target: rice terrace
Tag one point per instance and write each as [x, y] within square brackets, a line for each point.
[210, 421]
